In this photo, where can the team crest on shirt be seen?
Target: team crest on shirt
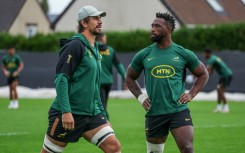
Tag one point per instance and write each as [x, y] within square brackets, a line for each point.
[176, 58]
[62, 135]
[106, 52]
[89, 53]
[163, 71]
[219, 59]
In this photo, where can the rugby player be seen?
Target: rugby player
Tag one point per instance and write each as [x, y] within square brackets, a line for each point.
[109, 59]
[164, 64]
[216, 63]
[77, 110]
[12, 65]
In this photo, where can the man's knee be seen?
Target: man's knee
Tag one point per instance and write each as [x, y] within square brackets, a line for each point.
[113, 146]
[154, 148]
[50, 147]
[106, 140]
[188, 148]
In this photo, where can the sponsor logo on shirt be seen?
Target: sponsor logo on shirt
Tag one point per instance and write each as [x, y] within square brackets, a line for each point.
[176, 58]
[149, 59]
[146, 130]
[11, 65]
[69, 59]
[163, 71]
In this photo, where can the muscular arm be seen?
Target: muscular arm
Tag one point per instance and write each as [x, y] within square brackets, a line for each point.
[133, 86]
[5, 71]
[69, 59]
[20, 68]
[202, 77]
[118, 66]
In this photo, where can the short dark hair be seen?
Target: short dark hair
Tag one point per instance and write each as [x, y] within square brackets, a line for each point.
[208, 50]
[99, 36]
[80, 27]
[169, 20]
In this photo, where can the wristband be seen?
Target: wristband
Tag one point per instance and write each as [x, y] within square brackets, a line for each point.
[142, 98]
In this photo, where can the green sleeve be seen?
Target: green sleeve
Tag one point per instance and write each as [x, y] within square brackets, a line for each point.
[121, 70]
[210, 61]
[192, 60]
[136, 63]
[61, 86]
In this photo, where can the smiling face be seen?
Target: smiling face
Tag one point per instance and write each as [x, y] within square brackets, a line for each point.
[93, 25]
[159, 30]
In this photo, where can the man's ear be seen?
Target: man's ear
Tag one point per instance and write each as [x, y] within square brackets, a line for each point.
[169, 28]
[84, 24]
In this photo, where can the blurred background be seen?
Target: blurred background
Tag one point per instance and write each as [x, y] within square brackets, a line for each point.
[34, 27]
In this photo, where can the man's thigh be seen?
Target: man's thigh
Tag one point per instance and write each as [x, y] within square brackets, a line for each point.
[12, 81]
[101, 136]
[58, 133]
[181, 127]
[183, 137]
[182, 118]
[157, 127]
[225, 81]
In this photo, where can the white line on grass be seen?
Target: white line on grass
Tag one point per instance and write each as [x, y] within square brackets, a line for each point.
[14, 133]
[219, 126]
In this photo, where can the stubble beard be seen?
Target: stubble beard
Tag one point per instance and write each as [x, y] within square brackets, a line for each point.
[157, 38]
[96, 32]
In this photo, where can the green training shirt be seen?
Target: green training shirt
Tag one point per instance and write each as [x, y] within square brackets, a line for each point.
[78, 78]
[164, 71]
[109, 59]
[219, 65]
[11, 63]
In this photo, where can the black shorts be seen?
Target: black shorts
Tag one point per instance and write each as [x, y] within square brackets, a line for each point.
[82, 124]
[225, 81]
[159, 126]
[10, 80]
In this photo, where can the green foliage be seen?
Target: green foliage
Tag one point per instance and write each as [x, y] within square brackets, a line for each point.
[220, 37]
[128, 41]
[37, 43]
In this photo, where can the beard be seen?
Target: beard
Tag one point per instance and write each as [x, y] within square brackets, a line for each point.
[96, 31]
[157, 38]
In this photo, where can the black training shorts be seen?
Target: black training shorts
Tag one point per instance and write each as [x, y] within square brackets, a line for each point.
[159, 126]
[10, 80]
[225, 81]
[82, 124]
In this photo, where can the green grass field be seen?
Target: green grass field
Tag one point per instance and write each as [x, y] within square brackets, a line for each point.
[22, 130]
